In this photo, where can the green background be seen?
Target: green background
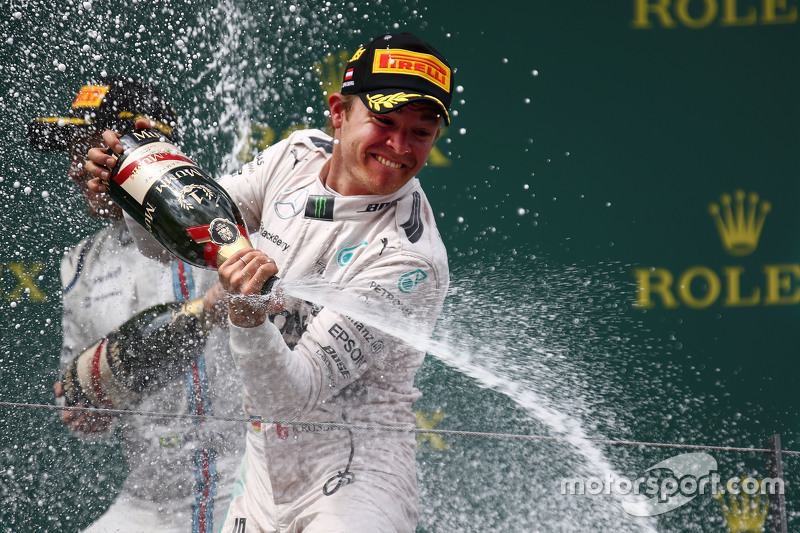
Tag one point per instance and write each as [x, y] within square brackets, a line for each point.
[582, 147]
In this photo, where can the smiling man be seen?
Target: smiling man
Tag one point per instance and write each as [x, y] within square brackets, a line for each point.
[348, 215]
[378, 154]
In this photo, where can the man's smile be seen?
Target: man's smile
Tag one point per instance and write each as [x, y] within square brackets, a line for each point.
[386, 162]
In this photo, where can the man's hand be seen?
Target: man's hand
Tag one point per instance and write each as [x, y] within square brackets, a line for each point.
[99, 163]
[242, 276]
[215, 305]
[87, 423]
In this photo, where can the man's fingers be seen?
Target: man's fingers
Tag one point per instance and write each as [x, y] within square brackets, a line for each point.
[143, 123]
[257, 268]
[87, 422]
[97, 423]
[112, 140]
[101, 157]
[261, 276]
[246, 271]
[97, 185]
[98, 171]
[68, 417]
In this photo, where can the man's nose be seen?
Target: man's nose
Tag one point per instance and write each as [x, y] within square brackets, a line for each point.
[399, 142]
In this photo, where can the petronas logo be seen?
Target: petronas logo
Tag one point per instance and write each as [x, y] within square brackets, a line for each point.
[739, 220]
[347, 254]
[408, 282]
[320, 207]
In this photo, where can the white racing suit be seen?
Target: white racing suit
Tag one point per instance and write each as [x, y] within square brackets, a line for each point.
[181, 470]
[381, 266]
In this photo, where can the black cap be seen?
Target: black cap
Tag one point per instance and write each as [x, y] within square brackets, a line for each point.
[396, 69]
[110, 103]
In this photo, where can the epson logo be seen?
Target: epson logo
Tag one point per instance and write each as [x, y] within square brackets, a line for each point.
[349, 344]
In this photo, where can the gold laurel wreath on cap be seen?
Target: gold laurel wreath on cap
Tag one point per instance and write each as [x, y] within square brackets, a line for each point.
[389, 100]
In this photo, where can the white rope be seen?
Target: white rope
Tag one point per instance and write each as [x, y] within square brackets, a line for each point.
[370, 427]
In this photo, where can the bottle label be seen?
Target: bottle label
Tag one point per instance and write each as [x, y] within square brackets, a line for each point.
[221, 239]
[144, 166]
[97, 381]
[223, 232]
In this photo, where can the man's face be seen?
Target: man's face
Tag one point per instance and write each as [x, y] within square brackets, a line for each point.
[378, 154]
[99, 205]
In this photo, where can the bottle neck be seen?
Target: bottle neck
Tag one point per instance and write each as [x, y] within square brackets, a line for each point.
[193, 309]
[242, 243]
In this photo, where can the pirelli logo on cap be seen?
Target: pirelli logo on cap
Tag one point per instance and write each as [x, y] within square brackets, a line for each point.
[426, 66]
[90, 96]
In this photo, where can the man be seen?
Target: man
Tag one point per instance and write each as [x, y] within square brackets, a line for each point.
[345, 214]
[180, 470]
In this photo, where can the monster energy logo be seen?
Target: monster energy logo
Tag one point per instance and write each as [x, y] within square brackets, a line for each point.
[319, 207]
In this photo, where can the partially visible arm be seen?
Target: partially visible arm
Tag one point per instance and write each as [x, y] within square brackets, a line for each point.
[85, 426]
[334, 351]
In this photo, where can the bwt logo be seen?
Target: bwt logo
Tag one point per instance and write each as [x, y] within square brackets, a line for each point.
[688, 475]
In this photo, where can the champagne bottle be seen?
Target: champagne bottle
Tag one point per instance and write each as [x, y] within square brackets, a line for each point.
[177, 202]
[145, 353]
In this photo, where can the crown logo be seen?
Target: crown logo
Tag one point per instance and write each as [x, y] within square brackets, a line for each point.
[739, 223]
[743, 513]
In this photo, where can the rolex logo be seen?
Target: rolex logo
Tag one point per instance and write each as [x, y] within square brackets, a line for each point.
[739, 221]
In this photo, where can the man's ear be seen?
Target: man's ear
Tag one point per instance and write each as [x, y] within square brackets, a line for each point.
[337, 110]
